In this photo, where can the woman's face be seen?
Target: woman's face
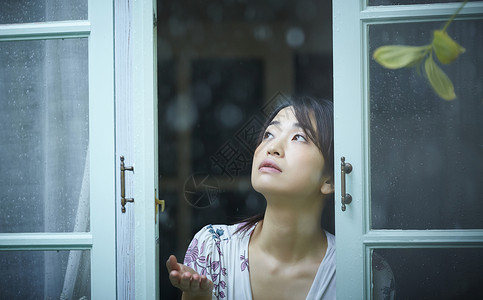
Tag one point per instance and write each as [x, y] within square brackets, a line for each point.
[287, 162]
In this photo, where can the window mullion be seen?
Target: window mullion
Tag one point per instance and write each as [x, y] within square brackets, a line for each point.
[45, 30]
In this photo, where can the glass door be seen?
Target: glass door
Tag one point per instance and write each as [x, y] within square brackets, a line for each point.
[414, 226]
[56, 155]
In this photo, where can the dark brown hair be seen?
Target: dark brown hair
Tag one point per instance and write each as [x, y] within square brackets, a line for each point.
[322, 136]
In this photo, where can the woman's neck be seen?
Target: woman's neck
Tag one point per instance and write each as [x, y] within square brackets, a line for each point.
[291, 234]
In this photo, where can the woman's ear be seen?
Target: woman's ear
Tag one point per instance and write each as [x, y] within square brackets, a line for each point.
[327, 187]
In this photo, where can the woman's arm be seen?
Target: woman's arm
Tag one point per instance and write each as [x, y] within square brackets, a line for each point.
[193, 285]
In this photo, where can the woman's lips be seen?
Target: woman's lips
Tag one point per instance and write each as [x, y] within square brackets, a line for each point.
[269, 166]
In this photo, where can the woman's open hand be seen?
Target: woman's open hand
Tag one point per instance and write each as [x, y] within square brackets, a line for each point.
[193, 285]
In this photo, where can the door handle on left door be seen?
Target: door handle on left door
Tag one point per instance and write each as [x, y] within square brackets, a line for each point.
[124, 200]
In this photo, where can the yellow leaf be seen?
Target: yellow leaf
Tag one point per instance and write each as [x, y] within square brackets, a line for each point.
[397, 56]
[445, 48]
[441, 84]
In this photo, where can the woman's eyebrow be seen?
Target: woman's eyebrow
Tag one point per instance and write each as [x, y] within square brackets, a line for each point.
[277, 124]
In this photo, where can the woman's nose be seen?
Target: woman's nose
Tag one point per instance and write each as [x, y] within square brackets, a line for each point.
[275, 148]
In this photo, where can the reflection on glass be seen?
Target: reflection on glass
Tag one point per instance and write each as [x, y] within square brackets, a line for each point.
[44, 124]
[429, 273]
[219, 64]
[425, 151]
[383, 281]
[28, 11]
[45, 275]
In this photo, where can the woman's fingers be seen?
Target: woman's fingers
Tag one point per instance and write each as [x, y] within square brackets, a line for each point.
[188, 282]
[184, 283]
[178, 274]
[205, 283]
[195, 283]
[175, 278]
[186, 279]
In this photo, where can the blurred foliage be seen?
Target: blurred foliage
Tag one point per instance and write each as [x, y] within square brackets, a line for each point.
[445, 48]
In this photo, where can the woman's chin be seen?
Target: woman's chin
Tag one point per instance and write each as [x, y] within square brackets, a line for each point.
[271, 190]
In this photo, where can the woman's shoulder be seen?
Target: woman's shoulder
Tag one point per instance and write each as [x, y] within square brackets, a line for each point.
[211, 242]
[220, 232]
[330, 240]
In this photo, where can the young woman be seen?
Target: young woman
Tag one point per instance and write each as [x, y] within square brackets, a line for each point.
[284, 253]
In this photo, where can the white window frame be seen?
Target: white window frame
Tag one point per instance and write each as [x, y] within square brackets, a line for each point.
[354, 238]
[98, 28]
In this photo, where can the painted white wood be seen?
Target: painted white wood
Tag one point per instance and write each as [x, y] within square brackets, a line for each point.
[46, 241]
[348, 122]
[31, 31]
[154, 64]
[405, 13]
[422, 238]
[102, 155]
[101, 240]
[351, 102]
[124, 147]
[145, 148]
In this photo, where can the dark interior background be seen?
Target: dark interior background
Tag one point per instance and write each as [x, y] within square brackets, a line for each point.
[221, 64]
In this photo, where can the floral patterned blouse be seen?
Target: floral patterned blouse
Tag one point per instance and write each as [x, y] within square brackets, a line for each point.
[221, 253]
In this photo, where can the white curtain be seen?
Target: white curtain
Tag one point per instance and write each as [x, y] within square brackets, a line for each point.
[44, 134]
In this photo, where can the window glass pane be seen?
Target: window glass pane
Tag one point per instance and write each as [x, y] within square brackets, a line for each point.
[428, 273]
[44, 125]
[28, 11]
[426, 152]
[45, 274]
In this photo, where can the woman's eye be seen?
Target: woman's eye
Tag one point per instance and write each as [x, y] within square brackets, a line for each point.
[267, 135]
[299, 138]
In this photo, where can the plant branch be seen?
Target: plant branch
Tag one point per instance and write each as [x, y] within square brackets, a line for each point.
[454, 16]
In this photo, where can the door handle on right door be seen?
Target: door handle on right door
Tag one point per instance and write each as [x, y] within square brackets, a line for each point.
[345, 168]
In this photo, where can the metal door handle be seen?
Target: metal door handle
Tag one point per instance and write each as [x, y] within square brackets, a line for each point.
[345, 168]
[156, 203]
[124, 200]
